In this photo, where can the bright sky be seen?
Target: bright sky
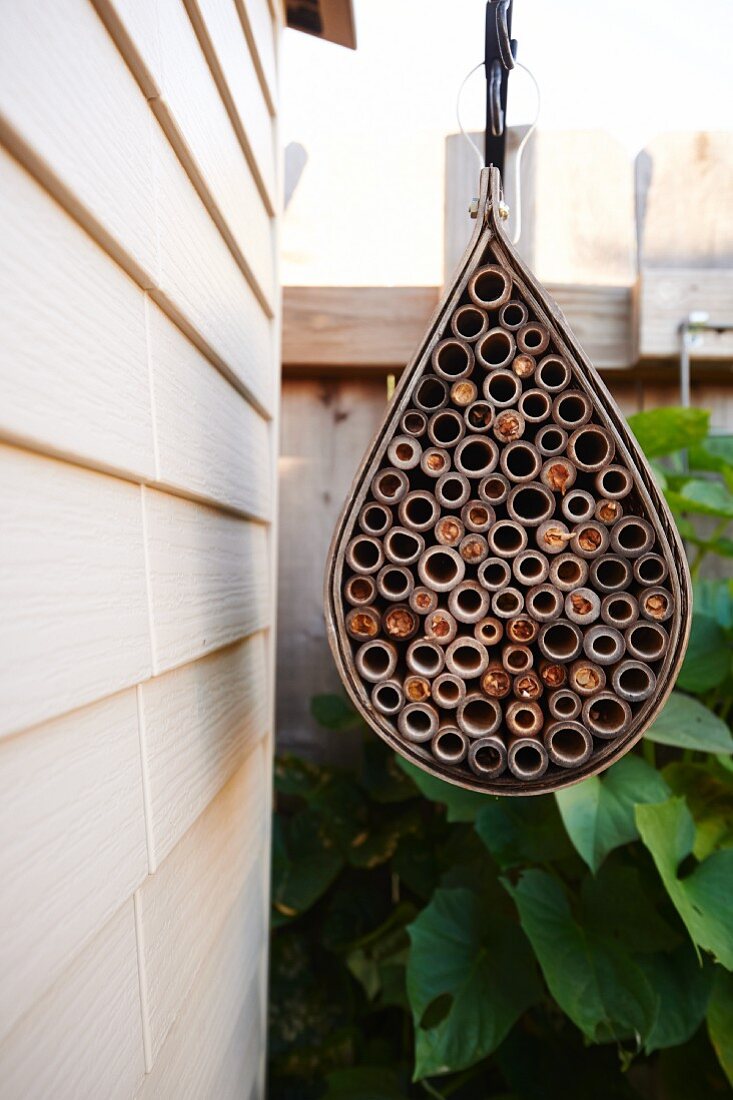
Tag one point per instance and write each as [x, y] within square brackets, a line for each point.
[369, 206]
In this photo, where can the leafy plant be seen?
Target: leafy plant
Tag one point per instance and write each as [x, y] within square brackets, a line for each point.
[428, 941]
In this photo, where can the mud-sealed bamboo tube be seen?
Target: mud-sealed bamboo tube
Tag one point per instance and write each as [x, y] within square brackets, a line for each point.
[375, 519]
[431, 394]
[604, 644]
[364, 554]
[494, 489]
[506, 538]
[473, 549]
[544, 603]
[517, 658]
[388, 697]
[395, 583]
[418, 722]
[489, 631]
[533, 338]
[571, 409]
[608, 511]
[522, 630]
[403, 547]
[656, 604]
[448, 690]
[478, 716]
[487, 756]
[559, 475]
[553, 536]
[495, 349]
[441, 568]
[423, 600]
[582, 606]
[502, 387]
[469, 322]
[610, 573]
[531, 504]
[468, 602]
[527, 758]
[552, 674]
[578, 506]
[400, 622]
[496, 682]
[449, 745]
[524, 365]
[560, 641]
[446, 428]
[591, 448]
[550, 440]
[523, 719]
[490, 287]
[376, 660]
[564, 704]
[435, 462]
[552, 374]
[452, 359]
[362, 623]
[418, 689]
[614, 482]
[650, 569]
[632, 536]
[467, 658]
[360, 591]
[568, 744]
[530, 567]
[528, 686]
[404, 452]
[508, 603]
[463, 393]
[477, 516]
[452, 490]
[513, 315]
[535, 406]
[425, 658]
[449, 531]
[414, 423]
[646, 641]
[390, 485]
[589, 539]
[479, 416]
[508, 426]
[585, 677]
[619, 609]
[568, 571]
[520, 461]
[418, 511]
[476, 456]
[606, 715]
[440, 626]
[494, 574]
[633, 681]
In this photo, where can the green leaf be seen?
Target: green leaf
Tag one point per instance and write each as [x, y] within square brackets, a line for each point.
[334, 712]
[715, 598]
[703, 898]
[687, 724]
[617, 903]
[600, 988]
[662, 431]
[305, 862]
[382, 778]
[720, 1021]
[683, 987]
[703, 497]
[365, 1083]
[710, 801]
[599, 813]
[708, 658]
[461, 805]
[470, 976]
[518, 831]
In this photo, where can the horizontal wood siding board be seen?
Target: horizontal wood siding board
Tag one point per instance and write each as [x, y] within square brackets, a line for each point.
[72, 586]
[257, 23]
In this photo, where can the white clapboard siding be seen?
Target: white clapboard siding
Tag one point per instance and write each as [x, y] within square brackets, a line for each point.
[259, 28]
[200, 722]
[135, 27]
[183, 906]
[230, 59]
[73, 357]
[208, 578]
[71, 818]
[67, 93]
[83, 1039]
[211, 443]
[202, 283]
[74, 626]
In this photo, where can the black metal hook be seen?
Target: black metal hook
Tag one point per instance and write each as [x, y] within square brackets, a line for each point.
[499, 61]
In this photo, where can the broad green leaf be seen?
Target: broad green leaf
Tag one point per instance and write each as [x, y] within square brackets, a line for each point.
[365, 1083]
[661, 431]
[720, 1021]
[703, 898]
[600, 988]
[715, 454]
[710, 801]
[599, 813]
[381, 777]
[378, 841]
[703, 497]
[618, 903]
[518, 831]
[305, 861]
[683, 987]
[708, 658]
[470, 975]
[687, 724]
[334, 712]
[715, 598]
[293, 776]
[461, 805]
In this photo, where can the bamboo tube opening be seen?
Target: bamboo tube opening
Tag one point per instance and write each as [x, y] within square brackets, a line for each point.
[521, 461]
[527, 758]
[513, 315]
[495, 349]
[431, 394]
[564, 704]
[560, 641]
[468, 602]
[610, 573]
[417, 689]
[530, 504]
[502, 388]
[494, 489]
[452, 359]
[528, 686]
[487, 757]
[387, 698]
[448, 690]
[524, 365]
[441, 568]
[508, 603]
[615, 482]
[403, 547]
[606, 715]
[414, 423]
[476, 456]
[650, 569]
[466, 658]
[488, 630]
[522, 630]
[364, 554]
[389, 486]
[360, 590]
[568, 572]
[552, 674]
[533, 338]
[578, 506]
[571, 409]
[508, 426]
[646, 641]
[535, 406]
[450, 746]
[362, 623]
[449, 531]
[552, 374]
[452, 490]
[376, 660]
[479, 716]
[479, 416]
[423, 600]
[559, 475]
[608, 511]
[394, 582]
[490, 287]
[619, 609]
[590, 539]
[441, 626]
[523, 719]
[435, 461]
[477, 516]
[463, 393]
[582, 605]
[568, 744]
[418, 722]
[425, 658]
[632, 536]
[418, 511]
[604, 644]
[552, 536]
[404, 452]
[544, 603]
[469, 322]
[551, 441]
[400, 622]
[586, 678]
[590, 448]
[530, 567]
[473, 548]
[656, 604]
[517, 658]
[506, 538]
[494, 573]
[496, 681]
[446, 428]
[634, 681]
[375, 519]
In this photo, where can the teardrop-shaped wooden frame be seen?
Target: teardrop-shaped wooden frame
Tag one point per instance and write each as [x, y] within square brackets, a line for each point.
[489, 244]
